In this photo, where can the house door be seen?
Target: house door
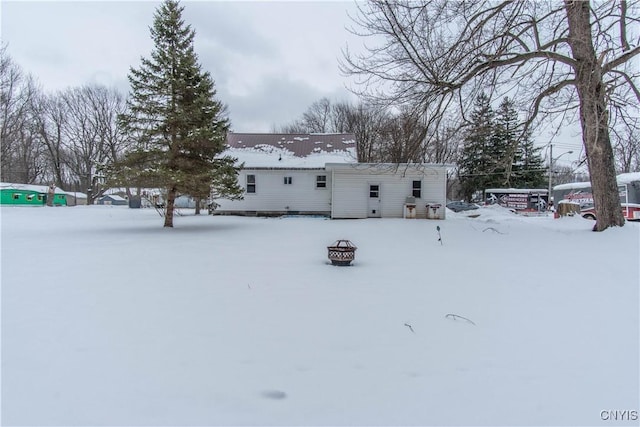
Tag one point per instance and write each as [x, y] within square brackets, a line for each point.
[374, 201]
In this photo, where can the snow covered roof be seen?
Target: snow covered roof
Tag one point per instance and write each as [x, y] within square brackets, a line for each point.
[571, 185]
[133, 190]
[516, 190]
[76, 194]
[626, 178]
[29, 187]
[276, 150]
[114, 197]
[623, 178]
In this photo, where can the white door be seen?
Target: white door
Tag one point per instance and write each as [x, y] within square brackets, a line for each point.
[374, 201]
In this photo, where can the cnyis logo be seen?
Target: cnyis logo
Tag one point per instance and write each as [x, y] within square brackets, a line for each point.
[618, 415]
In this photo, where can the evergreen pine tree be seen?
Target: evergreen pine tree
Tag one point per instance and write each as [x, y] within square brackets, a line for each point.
[505, 145]
[179, 126]
[476, 157]
[529, 170]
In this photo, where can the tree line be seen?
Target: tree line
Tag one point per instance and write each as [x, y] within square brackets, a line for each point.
[64, 138]
[382, 135]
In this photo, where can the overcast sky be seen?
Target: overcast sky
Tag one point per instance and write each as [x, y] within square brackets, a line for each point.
[270, 60]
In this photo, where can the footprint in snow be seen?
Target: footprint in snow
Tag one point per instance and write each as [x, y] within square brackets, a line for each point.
[274, 394]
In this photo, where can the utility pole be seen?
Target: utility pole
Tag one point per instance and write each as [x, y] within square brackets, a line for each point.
[551, 159]
[550, 167]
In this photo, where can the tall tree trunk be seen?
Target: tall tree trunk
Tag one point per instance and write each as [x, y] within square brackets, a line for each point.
[51, 193]
[197, 199]
[171, 199]
[594, 117]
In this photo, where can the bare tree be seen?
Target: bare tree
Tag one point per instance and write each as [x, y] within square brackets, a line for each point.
[78, 135]
[93, 138]
[366, 122]
[404, 136]
[50, 121]
[82, 138]
[442, 142]
[381, 136]
[20, 154]
[556, 57]
[318, 117]
[626, 140]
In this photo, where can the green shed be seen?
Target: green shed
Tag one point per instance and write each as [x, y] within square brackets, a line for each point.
[29, 195]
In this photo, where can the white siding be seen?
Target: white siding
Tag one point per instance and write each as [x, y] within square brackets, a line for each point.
[350, 188]
[274, 196]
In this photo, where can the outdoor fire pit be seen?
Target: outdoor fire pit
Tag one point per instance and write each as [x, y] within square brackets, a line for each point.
[342, 252]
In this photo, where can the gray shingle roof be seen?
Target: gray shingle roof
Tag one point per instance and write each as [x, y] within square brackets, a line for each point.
[300, 145]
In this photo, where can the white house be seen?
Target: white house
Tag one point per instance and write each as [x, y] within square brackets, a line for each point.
[285, 173]
[318, 174]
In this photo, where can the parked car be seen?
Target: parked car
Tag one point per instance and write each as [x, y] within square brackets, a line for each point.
[461, 206]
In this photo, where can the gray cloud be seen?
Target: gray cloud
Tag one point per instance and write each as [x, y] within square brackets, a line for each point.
[223, 24]
[277, 101]
[270, 60]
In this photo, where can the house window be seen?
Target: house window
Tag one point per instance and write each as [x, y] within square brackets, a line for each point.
[16, 196]
[321, 181]
[30, 197]
[374, 191]
[417, 189]
[251, 183]
[288, 180]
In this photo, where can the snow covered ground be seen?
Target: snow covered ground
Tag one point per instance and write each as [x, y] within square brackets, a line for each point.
[110, 319]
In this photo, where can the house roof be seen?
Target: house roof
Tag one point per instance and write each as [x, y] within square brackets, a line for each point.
[113, 197]
[76, 194]
[623, 178]
[133, 190]
[626, 178]
[44, 189]
[278, 150]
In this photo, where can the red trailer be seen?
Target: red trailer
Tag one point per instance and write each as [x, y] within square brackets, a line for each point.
[581, 193]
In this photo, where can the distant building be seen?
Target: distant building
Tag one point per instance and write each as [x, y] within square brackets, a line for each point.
[29, 195]
[75, 198]
[112, 199]
[185, 201]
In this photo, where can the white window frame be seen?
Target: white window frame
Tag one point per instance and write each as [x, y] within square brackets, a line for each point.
[251, 183]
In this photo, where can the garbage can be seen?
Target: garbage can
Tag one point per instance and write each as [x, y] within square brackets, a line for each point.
[409, 210]
[434, 211]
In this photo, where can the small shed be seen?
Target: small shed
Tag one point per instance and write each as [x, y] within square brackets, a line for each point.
[112, 199]
[75, 198]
